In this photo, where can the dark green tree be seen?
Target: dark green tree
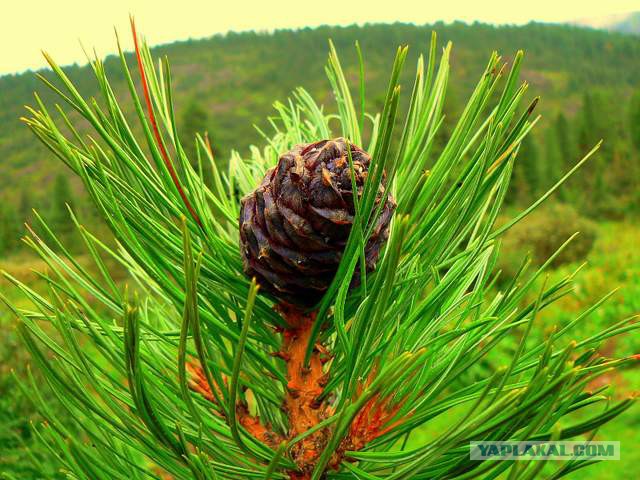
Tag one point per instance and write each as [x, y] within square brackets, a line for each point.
[634, 120]
[25, 206]
[10, 228]
[61, 199]
[195, 120]
[528, 174]
[588, 122]
[596, 121]
[562, 146]
[565, 141]
[552, 163]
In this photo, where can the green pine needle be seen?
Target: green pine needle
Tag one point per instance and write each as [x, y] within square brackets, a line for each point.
[430, 313]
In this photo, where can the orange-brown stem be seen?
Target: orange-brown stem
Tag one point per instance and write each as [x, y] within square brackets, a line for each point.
[302, 402]
[198, 383]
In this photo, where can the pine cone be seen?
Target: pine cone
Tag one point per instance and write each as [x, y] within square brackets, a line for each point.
[295, 225]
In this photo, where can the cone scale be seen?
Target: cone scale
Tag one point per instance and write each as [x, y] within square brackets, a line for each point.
[295, 225]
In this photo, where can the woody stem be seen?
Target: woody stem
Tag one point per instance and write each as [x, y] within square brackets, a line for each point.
[305, 385]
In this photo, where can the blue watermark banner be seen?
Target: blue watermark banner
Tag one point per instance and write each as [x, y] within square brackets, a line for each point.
[544, 450]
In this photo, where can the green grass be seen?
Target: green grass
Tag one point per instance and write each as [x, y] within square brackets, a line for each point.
[614, 263]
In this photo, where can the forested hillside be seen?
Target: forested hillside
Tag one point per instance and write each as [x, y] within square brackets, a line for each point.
[589, 82]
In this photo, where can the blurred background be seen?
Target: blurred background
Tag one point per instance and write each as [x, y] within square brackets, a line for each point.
[231, 62]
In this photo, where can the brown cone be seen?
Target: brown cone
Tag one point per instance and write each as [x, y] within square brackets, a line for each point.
[294, 226]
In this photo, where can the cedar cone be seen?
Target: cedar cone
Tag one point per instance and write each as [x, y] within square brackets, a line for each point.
[295, 225]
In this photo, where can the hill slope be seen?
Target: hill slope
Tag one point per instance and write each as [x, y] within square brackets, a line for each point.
[236, 77]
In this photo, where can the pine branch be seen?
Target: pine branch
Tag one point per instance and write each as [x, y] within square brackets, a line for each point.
[192, 373]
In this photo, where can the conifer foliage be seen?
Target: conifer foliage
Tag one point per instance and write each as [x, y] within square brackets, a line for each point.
[194, 371]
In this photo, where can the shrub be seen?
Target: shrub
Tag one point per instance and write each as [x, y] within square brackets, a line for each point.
[542, 233]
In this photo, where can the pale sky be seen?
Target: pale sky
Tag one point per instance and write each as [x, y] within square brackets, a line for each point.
[58, 26]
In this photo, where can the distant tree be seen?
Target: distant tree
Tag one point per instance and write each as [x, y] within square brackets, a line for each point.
[551, 164]
[634, 119]
[58, 215]
[9, 228]
[563, 146]
[25, 205]
[588, 122]
[596, 122]
[566, 143]
[194, 120]
[527, 171]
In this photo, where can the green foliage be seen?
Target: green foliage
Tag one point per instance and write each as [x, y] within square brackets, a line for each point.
[542, 233]
[25, 206]
[528, 173]
[194, 122]
[429, 313]
[634, 119]
[613, 263]
[22, 455]
[565, 141]
[610, 188]
[236, 78]
[9, 228]
[61, 202]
